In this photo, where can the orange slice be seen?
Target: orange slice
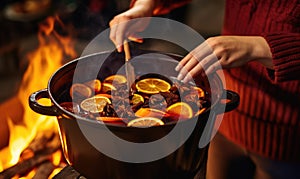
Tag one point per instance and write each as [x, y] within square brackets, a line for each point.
[152, 85]
[95, 104]
[180, 109]
[200, 111]
[107, 87]
[149, 112]
[200, 91]
[145, 122]
[115, 79]
[104, 94]
[109, 119]
[94, 84]
[136, 98]
[80, 90]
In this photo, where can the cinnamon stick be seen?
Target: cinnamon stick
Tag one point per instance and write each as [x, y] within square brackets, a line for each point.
[127, 50]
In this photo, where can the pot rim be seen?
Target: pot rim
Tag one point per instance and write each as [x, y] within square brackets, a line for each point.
[61, 111]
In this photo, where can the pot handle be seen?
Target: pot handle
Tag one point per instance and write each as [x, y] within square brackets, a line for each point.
[234, 100]
[37, 107]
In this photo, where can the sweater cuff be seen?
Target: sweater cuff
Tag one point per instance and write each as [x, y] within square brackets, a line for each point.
[285, 50]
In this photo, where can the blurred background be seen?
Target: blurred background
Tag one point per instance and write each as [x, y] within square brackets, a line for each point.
[83, 20]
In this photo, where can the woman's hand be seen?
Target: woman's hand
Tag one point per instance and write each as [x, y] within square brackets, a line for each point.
[224, 52]
[123, 26]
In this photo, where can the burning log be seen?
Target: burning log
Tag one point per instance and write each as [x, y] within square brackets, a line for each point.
[68, 173]
[37, 154]
[45, 141]
[44, 170]
[24, 166]
[16, 118]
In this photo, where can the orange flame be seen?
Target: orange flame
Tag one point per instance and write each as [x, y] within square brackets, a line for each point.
[43, 62]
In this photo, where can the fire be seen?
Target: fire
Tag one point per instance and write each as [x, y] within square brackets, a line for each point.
[43, 62]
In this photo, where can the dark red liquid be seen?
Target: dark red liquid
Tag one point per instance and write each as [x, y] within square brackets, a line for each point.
[120, 116]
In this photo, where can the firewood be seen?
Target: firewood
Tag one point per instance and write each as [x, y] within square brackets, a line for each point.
[38, 144]
[28, 164]
[44, 170]
[68, 173]
[24, 166]
[52, 146]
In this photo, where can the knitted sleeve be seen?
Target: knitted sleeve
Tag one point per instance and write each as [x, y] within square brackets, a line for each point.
[285, 49]
[165, 6]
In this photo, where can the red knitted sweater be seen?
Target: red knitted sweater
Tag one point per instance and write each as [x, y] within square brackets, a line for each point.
[267, 121]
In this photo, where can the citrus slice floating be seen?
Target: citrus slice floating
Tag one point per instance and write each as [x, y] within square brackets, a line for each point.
[149, 112]
[115, 79]
[181, 110]
[136, 98]
[200, 91]
[152, 85]
[200, 111]
[94, 84]
[144, 122]
[107, 87]
[109, 119]
[104, 94]
[95, 104]
[80, 90]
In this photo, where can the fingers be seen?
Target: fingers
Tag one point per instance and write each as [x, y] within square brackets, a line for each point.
[118, 31]
[214, 67]
[190, 66]
[197, 69]
[113, 28]
[120, 36]
[205, 67]
[183, 62]
[188, 63]
[122, 27]
[198, 53]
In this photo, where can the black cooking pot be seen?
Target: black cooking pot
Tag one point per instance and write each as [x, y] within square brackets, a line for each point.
[88, 145]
